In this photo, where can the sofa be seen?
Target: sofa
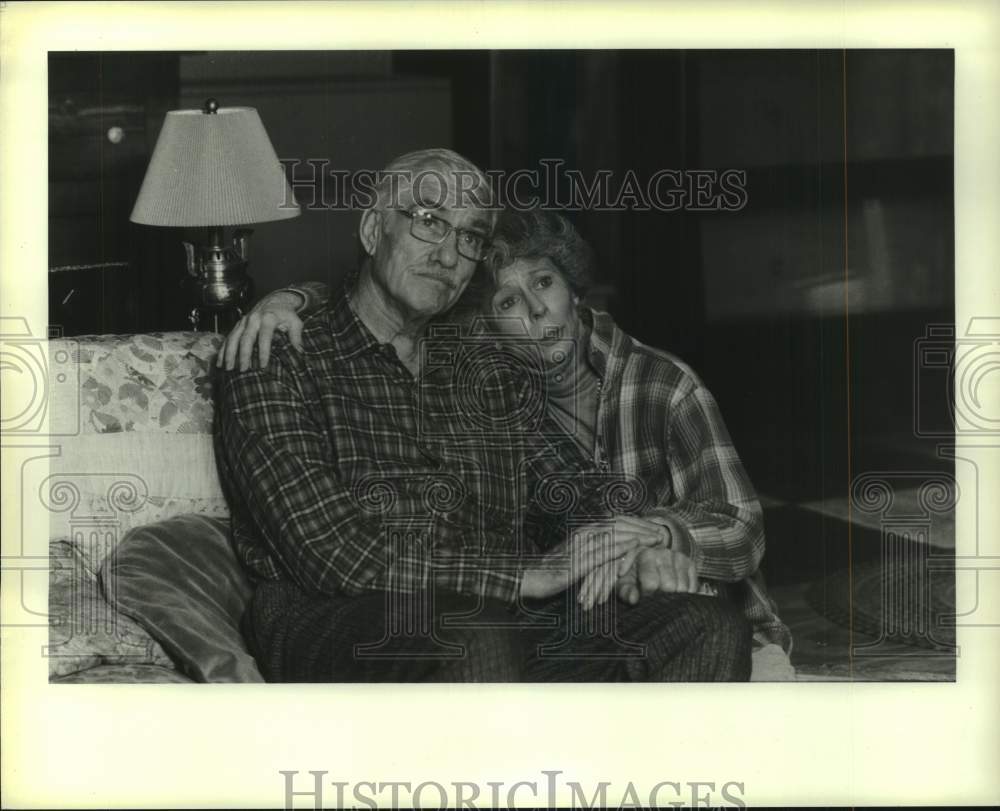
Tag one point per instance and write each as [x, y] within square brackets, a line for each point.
[143, 583]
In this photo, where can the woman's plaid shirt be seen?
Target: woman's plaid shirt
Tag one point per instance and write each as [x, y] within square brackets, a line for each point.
[658, 423]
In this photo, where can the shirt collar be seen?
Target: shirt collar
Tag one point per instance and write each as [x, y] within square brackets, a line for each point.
[350, 335]
[351, 338]
[600, 329]
[609, 348]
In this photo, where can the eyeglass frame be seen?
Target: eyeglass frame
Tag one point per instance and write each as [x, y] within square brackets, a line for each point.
[412, 217]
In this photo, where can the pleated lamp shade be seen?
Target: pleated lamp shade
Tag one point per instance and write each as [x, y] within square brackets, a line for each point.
[213, 169]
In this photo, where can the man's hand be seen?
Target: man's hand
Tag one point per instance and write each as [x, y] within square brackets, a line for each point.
[589, 548]
[276, 311]
[658, 569]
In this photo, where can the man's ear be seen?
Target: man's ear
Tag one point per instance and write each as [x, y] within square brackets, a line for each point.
[371, 230]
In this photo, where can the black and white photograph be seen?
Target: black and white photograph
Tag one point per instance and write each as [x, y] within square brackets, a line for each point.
[523, 370]
[503, 365]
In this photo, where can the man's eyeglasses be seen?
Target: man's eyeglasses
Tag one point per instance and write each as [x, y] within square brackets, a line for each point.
[428, 227]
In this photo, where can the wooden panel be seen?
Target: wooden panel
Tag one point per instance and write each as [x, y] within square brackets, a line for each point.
[87, 157]
[768, 108]
[900, 103]
[91, 300]
[93, 181]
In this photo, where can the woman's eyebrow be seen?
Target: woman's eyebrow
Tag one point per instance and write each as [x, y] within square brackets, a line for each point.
[480, 224]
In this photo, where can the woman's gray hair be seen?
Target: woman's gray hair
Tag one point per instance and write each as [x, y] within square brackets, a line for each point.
[539, 234]
[532, 234]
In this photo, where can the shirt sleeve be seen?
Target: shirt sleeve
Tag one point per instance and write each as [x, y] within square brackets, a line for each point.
[314, 295]
[713, 515]
[281, 468]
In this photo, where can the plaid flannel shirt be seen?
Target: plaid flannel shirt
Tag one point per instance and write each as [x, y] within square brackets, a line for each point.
[346, 474]
[657, 422]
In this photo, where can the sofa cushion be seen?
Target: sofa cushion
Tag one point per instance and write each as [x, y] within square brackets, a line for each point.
[84, 631]
[180, 579]
[121, 481]
[135, 412]
[151, 383]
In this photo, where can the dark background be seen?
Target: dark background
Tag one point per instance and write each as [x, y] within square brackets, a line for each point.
[801, 311]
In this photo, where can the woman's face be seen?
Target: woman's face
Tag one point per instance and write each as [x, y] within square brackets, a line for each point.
[536, 292]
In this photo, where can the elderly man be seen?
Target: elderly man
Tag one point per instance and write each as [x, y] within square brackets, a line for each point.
[392, 536]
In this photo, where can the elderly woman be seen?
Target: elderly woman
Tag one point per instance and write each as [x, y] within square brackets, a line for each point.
[632, 409]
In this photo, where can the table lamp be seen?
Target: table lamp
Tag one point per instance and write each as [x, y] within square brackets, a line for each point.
[214, 168]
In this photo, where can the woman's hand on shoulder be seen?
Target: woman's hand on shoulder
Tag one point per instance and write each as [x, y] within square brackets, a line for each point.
[277, 311]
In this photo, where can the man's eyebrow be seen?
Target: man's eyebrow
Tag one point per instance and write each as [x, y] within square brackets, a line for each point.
[478, 222]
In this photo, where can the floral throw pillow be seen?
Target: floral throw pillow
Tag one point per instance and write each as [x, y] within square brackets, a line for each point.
[84, 629]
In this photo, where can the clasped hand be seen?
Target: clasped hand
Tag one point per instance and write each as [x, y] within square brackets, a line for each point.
[639, 571]
[627, 552]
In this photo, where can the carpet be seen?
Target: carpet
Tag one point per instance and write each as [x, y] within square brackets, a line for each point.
[907, 597]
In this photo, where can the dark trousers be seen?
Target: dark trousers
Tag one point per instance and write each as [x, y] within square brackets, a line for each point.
[379, 637]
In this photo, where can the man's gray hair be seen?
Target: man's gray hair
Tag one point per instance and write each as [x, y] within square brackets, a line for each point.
[416, 172]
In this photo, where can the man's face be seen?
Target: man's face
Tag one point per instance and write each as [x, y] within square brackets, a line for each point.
[420, 278]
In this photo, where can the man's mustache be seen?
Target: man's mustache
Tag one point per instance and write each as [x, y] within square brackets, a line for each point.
[446, 278]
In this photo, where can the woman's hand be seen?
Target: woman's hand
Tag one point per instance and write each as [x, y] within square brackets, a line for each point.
[276, 311]
[588, 549]
[598, 585]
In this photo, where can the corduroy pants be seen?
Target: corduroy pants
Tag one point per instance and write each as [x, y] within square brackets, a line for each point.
[379, 637]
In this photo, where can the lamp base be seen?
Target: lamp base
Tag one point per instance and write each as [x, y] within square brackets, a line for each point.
[211, 320]
[220, 287]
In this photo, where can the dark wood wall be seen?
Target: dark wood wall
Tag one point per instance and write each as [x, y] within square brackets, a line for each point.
[105, 113]
[801, 310]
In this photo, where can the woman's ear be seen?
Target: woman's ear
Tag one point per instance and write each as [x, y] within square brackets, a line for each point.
[371, 230]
